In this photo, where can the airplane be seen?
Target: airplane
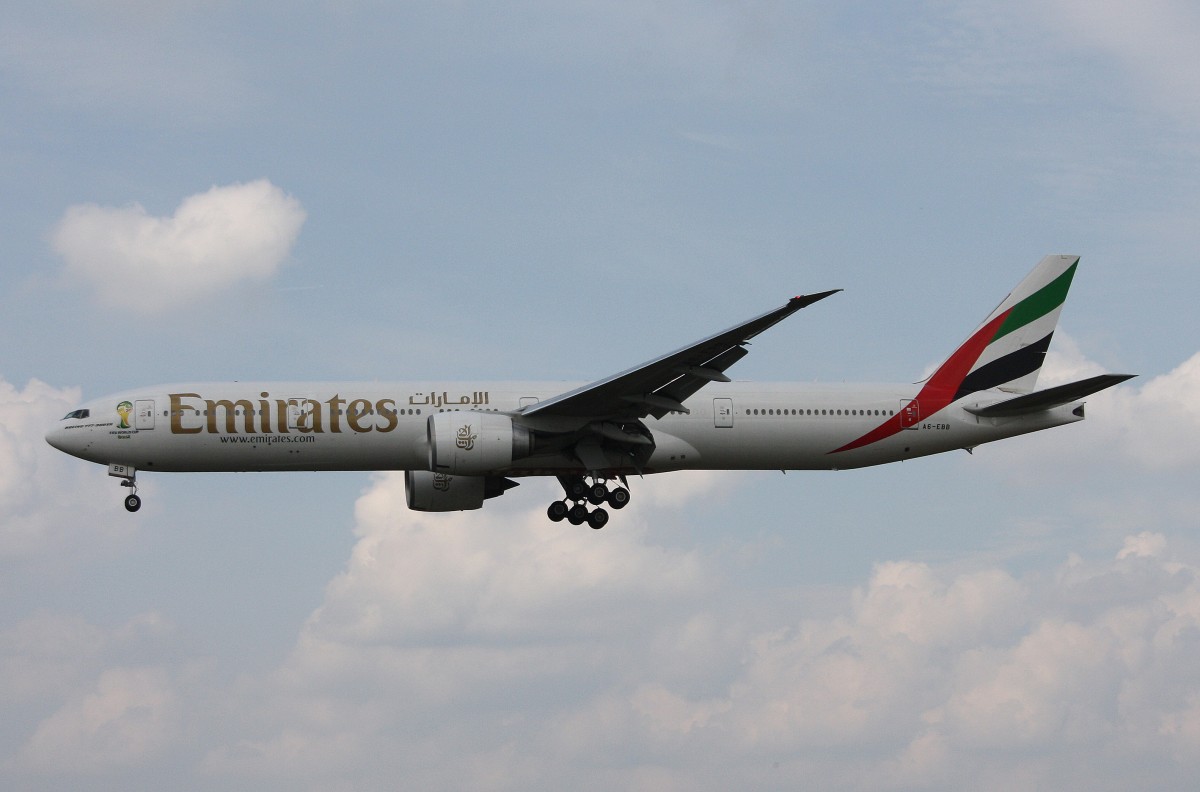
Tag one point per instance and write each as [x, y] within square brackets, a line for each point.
[463, 443]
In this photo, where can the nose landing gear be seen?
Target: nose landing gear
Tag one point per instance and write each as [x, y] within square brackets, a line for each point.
[132, 501]
[128, 476]
[573, 508]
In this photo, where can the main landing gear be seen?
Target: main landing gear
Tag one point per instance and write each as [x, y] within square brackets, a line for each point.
[573, 508]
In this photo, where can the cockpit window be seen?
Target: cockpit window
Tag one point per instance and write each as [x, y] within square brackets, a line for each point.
[77, 414]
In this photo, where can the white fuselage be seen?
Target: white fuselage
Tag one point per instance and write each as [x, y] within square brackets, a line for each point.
[383, 426]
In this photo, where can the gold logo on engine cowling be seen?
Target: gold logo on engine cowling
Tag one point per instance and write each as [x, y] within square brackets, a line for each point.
[465, 440]
[441, 482]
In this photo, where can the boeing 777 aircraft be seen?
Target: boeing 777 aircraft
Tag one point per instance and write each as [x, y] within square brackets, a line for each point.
[462, 443]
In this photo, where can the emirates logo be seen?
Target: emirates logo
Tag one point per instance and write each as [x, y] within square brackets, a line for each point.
[465, 440]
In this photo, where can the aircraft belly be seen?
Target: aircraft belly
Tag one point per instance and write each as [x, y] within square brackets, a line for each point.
[760, 444]
[812, 443]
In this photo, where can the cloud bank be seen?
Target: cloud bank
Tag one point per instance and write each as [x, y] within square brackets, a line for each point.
[231, 236]
[506, 653]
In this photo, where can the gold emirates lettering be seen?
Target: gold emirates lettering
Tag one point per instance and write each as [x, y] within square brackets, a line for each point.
[243, 416]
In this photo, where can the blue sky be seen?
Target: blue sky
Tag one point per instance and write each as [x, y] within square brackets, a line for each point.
[376, 191]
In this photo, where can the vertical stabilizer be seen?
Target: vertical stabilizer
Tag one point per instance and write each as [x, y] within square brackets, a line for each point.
[1008, 349]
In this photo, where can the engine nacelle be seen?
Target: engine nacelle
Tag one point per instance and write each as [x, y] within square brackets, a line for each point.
[473, 443]
[438, 492]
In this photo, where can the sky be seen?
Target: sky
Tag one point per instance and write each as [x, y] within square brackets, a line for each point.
[202, 190]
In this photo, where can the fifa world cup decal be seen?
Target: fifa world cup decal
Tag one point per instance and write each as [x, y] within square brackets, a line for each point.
[124, 410]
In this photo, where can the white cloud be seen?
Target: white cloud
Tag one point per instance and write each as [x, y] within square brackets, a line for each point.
[43, 492]
[44, 654]
[496, 649]
[130, 716]
[493, 592]
[215, 241]
[462, 610]
[1041, 671]
[1154, 422]
[82, 698]
[1066, 362]
[895, 698]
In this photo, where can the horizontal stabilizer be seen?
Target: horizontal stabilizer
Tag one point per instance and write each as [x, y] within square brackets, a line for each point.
[1049, 398]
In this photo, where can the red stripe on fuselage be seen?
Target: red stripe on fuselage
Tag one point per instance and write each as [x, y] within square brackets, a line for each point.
[939, 389]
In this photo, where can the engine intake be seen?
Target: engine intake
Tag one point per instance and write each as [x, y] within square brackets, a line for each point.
[474, 443]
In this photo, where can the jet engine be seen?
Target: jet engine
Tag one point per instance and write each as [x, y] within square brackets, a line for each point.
[473, 443]
[438, 492]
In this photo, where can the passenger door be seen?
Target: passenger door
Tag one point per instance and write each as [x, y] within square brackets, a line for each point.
[723, 413]
[143, 414]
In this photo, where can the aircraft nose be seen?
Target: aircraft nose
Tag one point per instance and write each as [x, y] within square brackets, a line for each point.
[55, 436]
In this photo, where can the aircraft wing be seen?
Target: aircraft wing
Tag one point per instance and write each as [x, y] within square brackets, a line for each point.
[661, 385]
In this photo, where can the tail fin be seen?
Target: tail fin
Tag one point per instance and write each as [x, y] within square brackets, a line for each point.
[1007, 350]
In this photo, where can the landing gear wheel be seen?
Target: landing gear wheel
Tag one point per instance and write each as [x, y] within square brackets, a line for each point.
[618, 498]
[578, 514]
[558, 510]
[577, 489]
[133, 503]
[597, 493]
[598, 519]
